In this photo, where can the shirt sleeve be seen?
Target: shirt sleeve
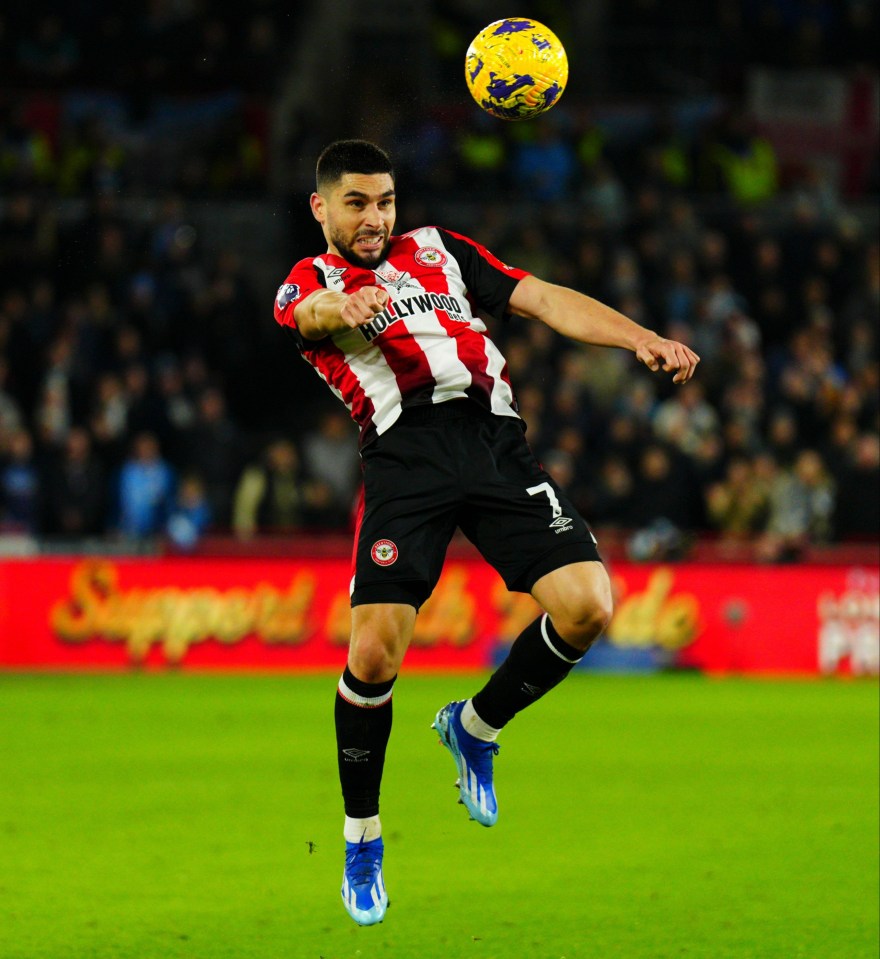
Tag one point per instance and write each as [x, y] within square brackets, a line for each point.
[489, 282]
[303, 279]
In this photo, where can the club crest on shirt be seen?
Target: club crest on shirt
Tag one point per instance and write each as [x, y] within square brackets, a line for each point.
[287, 293]
[430, 256]
[384, 552]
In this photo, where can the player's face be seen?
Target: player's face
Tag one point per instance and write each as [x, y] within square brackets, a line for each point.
[357, 215]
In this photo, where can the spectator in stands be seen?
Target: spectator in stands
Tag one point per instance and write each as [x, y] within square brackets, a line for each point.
[25, 153]
[145, 411]
[680, 296]
[20, 485]
[685, 419]
[190, 514]
[664, 489]
[28, 240]
[801, 507]
[737, 506]
[178, 409]
[213, 450]
[605, 196]
[74, 499]
[613, 493]
[90, 160]
[327, 456]
[544, 162]
[109, 419]
[145, 490]
[783, 441]
[857, 506]
[273, 496]
[11, 418]
[743, 163]
[481, 154]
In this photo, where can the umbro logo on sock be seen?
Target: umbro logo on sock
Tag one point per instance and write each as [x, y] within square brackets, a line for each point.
[532, 690]
[356, 755]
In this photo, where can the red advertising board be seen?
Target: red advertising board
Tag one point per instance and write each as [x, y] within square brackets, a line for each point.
[293, 614]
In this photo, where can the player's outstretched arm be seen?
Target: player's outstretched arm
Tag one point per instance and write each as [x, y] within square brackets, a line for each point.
[586, 320]
[325, 312]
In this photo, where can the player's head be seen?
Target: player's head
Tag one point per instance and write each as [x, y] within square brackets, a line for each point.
[354, 200]
[350, 156]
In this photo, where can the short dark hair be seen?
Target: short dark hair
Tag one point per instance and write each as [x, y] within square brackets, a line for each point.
[351, 156]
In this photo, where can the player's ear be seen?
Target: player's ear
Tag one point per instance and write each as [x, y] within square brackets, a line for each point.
[316, 201]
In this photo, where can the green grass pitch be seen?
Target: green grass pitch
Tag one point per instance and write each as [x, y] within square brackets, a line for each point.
[197, 816]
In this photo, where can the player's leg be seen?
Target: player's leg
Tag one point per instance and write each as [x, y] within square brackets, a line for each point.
[577, 601]
[577, 597]
[380, 635]
[407, 519]
[530, 532]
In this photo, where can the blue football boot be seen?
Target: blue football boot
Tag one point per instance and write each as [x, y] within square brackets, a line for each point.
[473, 757]
[363, 888]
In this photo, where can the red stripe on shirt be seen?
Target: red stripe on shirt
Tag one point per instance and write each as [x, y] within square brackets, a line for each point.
[331, 363]
[469, 344]
[406, 359]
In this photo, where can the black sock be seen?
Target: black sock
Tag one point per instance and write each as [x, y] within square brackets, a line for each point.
[539, 659]
[363, 725]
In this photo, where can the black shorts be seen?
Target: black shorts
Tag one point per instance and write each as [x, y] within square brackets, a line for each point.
[455, 465]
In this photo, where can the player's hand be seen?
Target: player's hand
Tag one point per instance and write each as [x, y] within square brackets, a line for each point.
[659, 353]
[361, 306]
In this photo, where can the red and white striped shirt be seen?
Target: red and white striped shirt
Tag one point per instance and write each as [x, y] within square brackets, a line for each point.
[427, 345]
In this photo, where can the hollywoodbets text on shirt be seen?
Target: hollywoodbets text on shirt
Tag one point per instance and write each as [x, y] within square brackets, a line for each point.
[408, 306]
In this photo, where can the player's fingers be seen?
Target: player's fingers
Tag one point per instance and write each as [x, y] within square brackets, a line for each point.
[687, 365]
[670, 355]
[375, 299]
[649, 359]
[363, 305]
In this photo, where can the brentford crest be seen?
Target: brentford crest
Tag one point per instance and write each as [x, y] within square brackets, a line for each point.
[384, 552]
[430, 256]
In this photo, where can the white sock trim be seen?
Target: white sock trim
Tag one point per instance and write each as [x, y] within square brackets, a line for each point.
[368, 702]
[551, 646]
[475, 726]
[367, 829]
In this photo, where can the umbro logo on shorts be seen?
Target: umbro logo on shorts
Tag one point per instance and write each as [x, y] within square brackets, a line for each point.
[561, 524]
[384, 552]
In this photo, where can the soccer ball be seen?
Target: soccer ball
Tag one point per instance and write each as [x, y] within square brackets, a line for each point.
[516, 68]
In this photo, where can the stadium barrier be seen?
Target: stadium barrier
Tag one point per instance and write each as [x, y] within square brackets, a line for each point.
[293, 613]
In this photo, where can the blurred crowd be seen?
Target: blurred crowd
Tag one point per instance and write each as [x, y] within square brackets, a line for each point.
[146, 47]
[122, 348]
[145, 391]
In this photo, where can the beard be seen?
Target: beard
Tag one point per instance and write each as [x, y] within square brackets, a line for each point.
[366, 260]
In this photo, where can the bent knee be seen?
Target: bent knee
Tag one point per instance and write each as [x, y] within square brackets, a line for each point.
[380, 635]
[583, 617]
[372, 660]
